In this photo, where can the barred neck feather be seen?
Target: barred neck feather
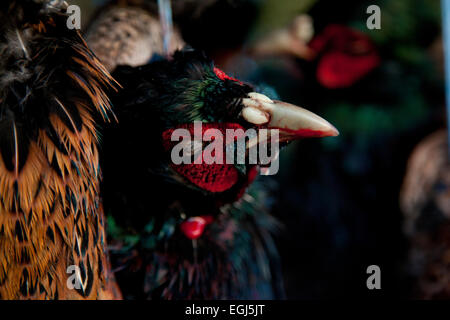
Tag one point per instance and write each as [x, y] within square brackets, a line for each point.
[51, 86]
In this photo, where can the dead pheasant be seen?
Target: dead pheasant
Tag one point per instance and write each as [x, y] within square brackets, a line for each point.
[51, 87]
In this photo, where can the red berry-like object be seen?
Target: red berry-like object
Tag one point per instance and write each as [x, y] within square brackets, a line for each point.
[193, 227]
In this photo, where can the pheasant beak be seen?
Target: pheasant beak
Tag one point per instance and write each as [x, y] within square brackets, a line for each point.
[293, 122]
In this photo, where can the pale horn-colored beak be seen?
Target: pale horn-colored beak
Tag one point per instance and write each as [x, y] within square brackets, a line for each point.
[293, 122]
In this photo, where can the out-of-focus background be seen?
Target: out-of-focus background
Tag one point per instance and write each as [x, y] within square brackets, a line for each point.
[339, 198]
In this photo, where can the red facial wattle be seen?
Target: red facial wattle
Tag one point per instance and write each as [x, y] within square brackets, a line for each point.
[211, 177]
[223, 76]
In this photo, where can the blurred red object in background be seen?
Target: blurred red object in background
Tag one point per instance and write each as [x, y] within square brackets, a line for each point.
[345, 56]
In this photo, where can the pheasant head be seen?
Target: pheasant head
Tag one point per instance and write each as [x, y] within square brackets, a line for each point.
[180, 106]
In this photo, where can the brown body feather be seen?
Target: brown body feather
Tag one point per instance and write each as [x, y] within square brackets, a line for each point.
[50, 213]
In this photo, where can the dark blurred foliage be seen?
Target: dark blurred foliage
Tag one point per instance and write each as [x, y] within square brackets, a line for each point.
[338, 197]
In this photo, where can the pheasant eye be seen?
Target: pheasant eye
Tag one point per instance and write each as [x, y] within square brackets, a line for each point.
[223, 76]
